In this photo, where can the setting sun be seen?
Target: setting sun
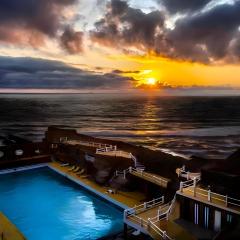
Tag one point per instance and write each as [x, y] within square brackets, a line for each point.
[151, 81]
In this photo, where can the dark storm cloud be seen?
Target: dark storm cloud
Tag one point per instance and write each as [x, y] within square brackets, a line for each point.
[205, 37]
[72, 41]
[34, 14]
[180, 6]
[128, 26]
[39, 73]
[28, 22]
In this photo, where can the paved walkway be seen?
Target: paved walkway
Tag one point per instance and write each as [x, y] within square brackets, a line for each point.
[173, 230]
[8, 231]
[115, 154]
[215, 199]
[129, 199]
[153, 178]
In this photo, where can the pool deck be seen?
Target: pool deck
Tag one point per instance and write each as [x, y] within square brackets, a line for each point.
[121, 199]
[9, 231]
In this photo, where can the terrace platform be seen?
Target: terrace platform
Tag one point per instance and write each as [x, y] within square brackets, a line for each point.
[129, 199]
[156, 219]
[101, 148]
[188, 189]
[149, 177]
[9, 231]
[153, 178]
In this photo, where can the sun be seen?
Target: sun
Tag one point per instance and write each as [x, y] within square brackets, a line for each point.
[151, 81]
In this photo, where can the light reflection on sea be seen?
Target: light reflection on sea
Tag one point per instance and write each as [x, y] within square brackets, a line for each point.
[204, 126]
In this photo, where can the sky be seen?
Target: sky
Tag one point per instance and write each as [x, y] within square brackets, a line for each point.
[157, 46]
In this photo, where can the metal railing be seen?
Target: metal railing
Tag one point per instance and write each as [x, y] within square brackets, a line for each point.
[210, 196]
[143, 207]
[102, 146]
[149, 176]
[134, 159]
[163, 213]
[106, 148]
[136, 163]
[159, 231]
[187, 174]
[139, 221]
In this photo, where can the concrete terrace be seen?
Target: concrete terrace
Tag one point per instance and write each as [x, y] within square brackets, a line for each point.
[211, 198]
[101, 148]
[126, 199]
[8, 231]
[150, 218]
[153, 178]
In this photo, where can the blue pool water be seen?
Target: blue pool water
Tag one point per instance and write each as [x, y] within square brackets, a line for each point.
[45, 205]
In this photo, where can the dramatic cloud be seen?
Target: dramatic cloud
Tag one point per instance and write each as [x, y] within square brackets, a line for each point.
[29, 21]
[72, 41]
[37, 73]
[179, 6]
[126, 26]
[207, 36]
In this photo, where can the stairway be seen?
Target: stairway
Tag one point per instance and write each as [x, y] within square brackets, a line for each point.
[139, 166]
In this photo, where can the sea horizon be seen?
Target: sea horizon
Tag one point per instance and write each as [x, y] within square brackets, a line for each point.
[197, 126]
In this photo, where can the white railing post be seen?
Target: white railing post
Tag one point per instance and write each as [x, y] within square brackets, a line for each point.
[149, 222]
[209, 195]
[188, 175]
[125, 214]
[163, 199]
[181, 186]
[167, 215]
[158, 214]
[124, 174]
[145, 205]
[130, 169]
[194, 186]
[164, 235]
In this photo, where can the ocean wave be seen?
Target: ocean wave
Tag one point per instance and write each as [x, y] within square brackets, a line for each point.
[197, 132]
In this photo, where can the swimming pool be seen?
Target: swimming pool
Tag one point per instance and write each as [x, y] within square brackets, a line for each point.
[45, 205]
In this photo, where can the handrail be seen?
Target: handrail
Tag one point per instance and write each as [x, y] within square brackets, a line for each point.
[151, 223]
[93, 144]
[106, 148]
[191, 186]
[164, 211]
[182, 172]
[141, 221]
[143, 207]
[159, 231]
[150, 176]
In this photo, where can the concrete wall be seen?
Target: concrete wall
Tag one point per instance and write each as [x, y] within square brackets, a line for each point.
[187, 212]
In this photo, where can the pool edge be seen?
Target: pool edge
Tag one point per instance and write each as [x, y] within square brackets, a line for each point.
[25, 168]
[90, 189]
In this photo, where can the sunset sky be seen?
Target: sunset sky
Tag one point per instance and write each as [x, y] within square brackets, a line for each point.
[165, 46]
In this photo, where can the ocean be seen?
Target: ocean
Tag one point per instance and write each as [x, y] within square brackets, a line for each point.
[200, 126]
